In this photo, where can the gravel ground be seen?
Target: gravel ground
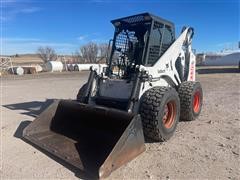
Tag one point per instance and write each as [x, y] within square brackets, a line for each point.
[207, 148]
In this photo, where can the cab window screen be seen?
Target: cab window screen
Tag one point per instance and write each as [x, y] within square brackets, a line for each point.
[167, 39]
[155, 43]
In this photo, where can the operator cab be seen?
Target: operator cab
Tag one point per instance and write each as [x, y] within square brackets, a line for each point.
[138, 40]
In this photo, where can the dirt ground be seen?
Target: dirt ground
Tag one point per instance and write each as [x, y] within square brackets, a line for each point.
[207, 148]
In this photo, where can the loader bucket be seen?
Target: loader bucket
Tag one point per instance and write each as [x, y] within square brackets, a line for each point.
[95, 139]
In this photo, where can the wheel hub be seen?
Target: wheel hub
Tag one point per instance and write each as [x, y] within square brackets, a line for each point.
[169, 114]
[196, 102]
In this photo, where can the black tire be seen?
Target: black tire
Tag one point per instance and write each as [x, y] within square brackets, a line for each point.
[152, 111]
[81, 92]
[191, 97]
[76, 68]
[239, 66]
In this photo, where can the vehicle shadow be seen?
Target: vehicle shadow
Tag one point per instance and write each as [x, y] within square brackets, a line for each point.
[216, 70]
[78, 173]
[33, 108]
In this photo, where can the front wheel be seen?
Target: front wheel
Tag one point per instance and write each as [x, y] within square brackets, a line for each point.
[191, 97]
[160, 110]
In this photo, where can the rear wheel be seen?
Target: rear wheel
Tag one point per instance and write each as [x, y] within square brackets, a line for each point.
[160, 110]
[191, 96]
[81, 92]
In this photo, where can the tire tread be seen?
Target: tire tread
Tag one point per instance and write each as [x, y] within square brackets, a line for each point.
[185, 94]
[150, 109]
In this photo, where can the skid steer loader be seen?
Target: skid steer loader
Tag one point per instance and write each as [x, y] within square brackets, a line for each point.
[147, 86]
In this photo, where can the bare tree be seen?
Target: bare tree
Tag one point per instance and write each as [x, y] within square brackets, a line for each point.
[103, 50]
[47, 53]
[84, 53]
[77, 58]
[89, 52]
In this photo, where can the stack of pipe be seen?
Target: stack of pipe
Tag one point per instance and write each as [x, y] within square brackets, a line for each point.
[82, 67]
[17, 70]
[54, 66]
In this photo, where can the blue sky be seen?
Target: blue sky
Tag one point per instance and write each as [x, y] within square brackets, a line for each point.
[66, 25]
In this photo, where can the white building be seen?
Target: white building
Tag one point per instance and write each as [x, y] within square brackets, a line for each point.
[225, 58]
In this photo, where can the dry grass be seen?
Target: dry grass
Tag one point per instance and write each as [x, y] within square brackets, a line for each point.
[27, 59]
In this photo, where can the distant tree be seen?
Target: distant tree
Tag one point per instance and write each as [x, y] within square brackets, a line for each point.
[47, 53]
[77, 58]
[89, 52]
[103, 50]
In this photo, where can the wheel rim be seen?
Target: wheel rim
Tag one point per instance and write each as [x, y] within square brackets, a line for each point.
[169, 114]
[196, 102]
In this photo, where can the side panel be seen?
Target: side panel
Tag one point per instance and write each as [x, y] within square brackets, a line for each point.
[192, 68]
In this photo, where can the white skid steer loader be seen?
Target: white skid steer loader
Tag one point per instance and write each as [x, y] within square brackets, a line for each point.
[147, 86]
